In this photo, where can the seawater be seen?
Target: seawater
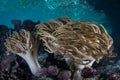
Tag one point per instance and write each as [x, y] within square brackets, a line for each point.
[45, 10]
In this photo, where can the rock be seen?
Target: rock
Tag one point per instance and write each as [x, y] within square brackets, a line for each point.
[4, 33]
[16, 23]
[29, 25]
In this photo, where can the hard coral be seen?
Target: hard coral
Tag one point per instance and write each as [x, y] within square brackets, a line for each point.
[52, 70]
[64, 75]
[23, 44]
[88, 72]
[16, 23]
[29, 25]
[80, 43]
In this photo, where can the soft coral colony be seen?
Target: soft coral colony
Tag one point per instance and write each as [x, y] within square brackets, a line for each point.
[23, 44]
[79, 43]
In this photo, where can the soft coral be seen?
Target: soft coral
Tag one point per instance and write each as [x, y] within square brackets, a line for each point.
[24, 45]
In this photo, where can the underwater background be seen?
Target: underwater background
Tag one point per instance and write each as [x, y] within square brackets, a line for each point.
[44, 10]
[105, 12]
[100, 11]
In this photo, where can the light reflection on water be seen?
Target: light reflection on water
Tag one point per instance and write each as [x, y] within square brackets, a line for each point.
[46, 9]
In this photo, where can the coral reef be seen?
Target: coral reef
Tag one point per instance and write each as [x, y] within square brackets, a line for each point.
[60, 49]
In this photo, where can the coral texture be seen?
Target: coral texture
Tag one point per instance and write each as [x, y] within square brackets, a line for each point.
[23, 44]
[80, 43]
[75, 46]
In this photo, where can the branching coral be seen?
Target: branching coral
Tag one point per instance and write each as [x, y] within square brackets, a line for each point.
[23, 44]
[80, 43]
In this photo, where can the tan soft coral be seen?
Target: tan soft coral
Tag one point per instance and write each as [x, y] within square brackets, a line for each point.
[83, 40]
[23, 44]
[51, 25]
[80, 43]
[45, 29]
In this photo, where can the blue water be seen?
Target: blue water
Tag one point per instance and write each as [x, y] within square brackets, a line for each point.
[45, 10]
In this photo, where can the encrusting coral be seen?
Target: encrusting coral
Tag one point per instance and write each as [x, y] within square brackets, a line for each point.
[80, 43]
[24, 45]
